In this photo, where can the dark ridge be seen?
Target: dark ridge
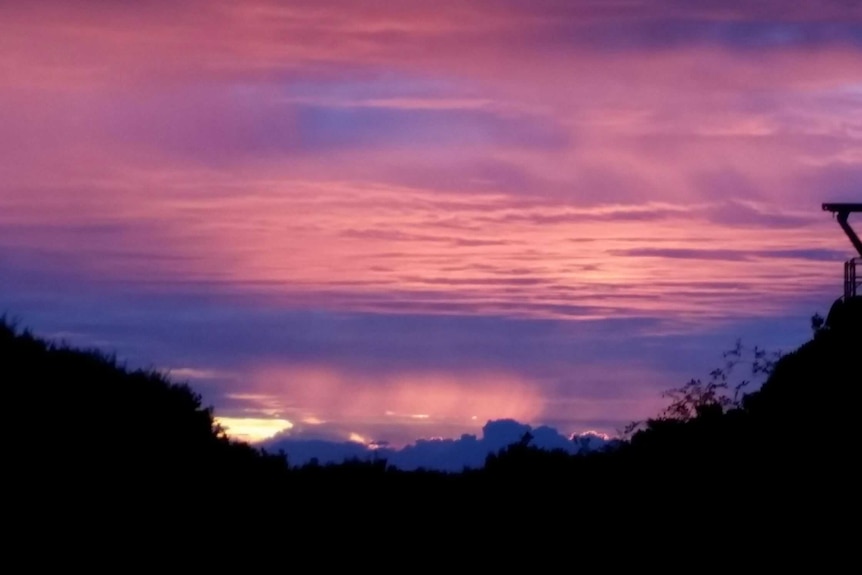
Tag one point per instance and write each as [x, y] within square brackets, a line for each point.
[97, 436]
[86, 437]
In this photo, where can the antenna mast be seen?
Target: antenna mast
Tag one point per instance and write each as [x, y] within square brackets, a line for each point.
[843, 211]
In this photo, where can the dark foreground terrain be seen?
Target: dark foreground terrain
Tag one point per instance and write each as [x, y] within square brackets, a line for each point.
[100, 455]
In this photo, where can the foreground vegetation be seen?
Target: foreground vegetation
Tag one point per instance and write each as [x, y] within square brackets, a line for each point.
[87, 437]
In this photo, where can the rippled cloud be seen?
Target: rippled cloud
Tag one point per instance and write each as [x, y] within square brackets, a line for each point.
[648, 170]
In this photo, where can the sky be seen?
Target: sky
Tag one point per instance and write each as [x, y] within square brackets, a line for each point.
[372, 222]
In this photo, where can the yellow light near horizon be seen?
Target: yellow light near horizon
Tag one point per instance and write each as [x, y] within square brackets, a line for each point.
[252, 429]
[356, 438]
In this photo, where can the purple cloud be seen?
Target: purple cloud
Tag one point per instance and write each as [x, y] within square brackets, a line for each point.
[467, 451]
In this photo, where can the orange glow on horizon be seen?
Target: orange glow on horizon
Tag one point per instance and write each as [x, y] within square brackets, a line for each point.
[574, 164]
[253, 429]
[356, 438]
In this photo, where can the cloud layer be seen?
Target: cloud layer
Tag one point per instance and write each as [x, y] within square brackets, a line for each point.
[467, 451]
[360, 213]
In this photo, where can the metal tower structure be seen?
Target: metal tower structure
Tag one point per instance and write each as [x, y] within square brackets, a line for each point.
[852, 282]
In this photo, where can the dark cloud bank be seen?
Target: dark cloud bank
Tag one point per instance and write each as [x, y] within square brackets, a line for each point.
[439, 454]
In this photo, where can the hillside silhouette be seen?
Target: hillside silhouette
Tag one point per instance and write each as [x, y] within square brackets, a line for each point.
[86, 435]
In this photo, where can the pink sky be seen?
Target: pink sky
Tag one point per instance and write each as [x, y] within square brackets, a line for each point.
[568, 164]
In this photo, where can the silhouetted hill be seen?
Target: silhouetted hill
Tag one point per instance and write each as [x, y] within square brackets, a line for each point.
[816, 384]
[84, 435]
[797, 434]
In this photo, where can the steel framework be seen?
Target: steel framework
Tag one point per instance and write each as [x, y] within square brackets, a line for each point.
[852, 284]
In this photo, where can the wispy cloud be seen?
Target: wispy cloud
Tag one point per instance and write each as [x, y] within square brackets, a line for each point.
[648, 168]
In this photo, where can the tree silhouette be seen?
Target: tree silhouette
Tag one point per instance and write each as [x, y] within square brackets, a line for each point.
[131, 447]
